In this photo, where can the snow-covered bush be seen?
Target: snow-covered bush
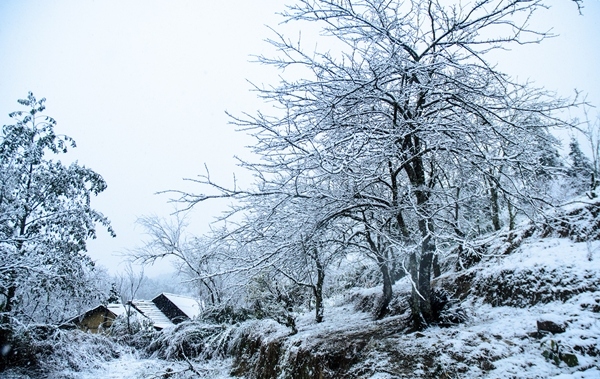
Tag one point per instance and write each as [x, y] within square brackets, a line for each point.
[49, 349]
[580, 222]
[16, 343]
[75, 350]
[533, 285]
[135, 331]
[365, 274]
[191, 340]
[557, 352]
[227, 314]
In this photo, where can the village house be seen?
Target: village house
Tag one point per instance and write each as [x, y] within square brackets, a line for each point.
[163, 311]
[95, 320]
[149, 310]
[176, 307]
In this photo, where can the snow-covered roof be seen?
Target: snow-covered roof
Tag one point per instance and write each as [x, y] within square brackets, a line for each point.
[117, 309]
[187, 305]
[148, 309]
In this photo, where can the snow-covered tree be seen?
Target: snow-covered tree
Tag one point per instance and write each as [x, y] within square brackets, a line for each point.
[580, 170]
[195, 259]
[591, 132]
[45, 220]
[403, 127]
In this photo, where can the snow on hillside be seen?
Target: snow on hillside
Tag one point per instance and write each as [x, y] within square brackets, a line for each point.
[501, 341]
[500, 338]
[503, 297]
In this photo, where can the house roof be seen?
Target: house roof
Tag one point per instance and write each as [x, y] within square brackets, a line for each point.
[110, 311]
[117, 309]
[148, 309]
[79, 317]
[187, 305]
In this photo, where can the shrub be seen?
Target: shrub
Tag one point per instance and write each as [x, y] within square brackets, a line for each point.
[48, 349]
[191, 340]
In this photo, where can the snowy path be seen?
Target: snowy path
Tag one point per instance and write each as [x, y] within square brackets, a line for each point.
[126, 367]
[131, 367]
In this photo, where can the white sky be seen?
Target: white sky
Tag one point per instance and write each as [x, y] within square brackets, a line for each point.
[142, 86]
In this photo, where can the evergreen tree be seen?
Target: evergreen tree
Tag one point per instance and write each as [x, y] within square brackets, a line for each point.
[580, 168]
[114, 296]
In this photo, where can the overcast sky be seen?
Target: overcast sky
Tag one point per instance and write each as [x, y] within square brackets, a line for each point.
[143, 86]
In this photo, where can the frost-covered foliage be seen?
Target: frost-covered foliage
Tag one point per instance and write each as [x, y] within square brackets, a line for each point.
[133, 330]
[581, 170]
[579, 220]
[45, 221]
[227, 314]
[192, 340]
[75, 350]
[50, 350]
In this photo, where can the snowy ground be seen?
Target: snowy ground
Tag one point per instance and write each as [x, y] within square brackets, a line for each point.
[499, 342]
[132, 367]
[496, 342]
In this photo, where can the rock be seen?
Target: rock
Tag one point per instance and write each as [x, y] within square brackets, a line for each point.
[570, 359]
[486, 365]
[537, 335]
[550, 326]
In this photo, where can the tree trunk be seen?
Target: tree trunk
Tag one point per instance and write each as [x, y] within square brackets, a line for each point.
[386, 298]
[424, 283]
[422, 313]
[495, 207]
[382, 262]
[415, 303]
[10, 295]
[318, 292]
[437, 271]
[511, 216]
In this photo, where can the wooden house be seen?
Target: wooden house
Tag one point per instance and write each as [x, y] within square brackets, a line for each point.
[176, 307]
[149, 310]
[95, 320]
[164, 311]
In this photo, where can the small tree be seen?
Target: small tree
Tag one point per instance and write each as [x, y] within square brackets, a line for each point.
[591, 133]
[127, 285]
[194, 258]
[580, 170]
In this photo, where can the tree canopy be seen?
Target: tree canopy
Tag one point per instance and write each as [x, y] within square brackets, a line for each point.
[45, 219]
[399, 141]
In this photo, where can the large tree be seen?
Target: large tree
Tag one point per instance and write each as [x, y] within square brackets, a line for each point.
[404, 127]
[45, 220]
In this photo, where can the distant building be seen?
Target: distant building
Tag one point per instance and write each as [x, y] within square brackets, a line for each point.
[176, 307]
[95, 320]
[153, 313]
[164, 311]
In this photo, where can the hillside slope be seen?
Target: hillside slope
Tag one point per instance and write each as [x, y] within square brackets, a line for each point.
[508, 300]
[527, 307]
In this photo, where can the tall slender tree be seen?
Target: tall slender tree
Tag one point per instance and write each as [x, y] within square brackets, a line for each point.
[580, 170]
